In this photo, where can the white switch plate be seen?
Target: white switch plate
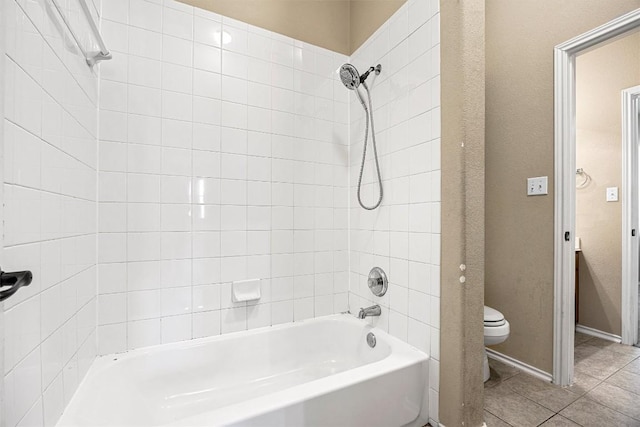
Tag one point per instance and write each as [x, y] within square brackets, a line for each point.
[537, 186]
[612, 194]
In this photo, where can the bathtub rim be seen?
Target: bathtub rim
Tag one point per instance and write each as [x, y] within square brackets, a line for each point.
[393, 342]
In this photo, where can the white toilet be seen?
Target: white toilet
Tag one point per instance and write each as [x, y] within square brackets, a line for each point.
[496, 330]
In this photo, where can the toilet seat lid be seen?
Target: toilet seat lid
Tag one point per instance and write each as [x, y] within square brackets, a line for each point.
[493, 317]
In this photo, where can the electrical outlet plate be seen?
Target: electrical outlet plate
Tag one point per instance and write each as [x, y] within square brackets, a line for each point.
[537, 186]
[612, 194]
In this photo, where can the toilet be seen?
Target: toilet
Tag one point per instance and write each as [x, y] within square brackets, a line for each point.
[496, 331]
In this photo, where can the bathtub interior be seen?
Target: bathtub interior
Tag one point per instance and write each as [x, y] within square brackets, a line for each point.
[238, 367]
[183, 381]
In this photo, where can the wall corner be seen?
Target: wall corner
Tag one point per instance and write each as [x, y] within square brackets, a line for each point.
[462, 34]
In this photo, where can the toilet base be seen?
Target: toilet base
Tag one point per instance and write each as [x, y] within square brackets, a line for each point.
[487, 371]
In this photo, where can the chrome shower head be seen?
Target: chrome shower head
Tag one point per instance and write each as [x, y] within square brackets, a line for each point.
[352, 79]
[349, 76]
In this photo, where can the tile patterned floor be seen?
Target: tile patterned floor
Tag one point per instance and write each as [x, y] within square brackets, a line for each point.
[606, 391]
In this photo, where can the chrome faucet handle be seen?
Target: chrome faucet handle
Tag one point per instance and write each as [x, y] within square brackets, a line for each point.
[377, 281]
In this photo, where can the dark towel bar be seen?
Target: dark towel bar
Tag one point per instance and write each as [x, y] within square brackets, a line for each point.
[16, 280]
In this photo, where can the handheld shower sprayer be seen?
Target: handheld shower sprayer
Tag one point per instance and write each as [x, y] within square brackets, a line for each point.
[352, 80]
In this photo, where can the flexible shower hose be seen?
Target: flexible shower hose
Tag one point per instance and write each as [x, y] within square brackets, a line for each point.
[368, 111]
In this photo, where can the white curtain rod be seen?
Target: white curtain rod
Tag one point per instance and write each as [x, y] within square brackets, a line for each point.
[92, 58]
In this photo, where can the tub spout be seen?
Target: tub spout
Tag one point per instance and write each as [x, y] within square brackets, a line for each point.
[374, 310]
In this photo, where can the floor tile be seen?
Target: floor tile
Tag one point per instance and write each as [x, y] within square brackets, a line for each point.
[499, 372]
[493, 421]
[634, 367]
[583, 351]
[582, 383]
[559, 421]
[605, 391]
[586, 412]
[580, 338]
[599, 362]
[544, 393]
[513, 408]
[618, 348]
[625, 380]
[617, 399]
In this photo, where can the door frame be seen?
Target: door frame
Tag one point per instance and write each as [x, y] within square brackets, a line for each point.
[564, 187]
[3, 59]
[630, 207]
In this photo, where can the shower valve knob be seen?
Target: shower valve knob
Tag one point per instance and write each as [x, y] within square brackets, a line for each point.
[378, 282]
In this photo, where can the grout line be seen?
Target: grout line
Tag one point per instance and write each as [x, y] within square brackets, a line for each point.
[55, 239]
[498, 417]
[52, 145]
[552, 416]
[26, 187]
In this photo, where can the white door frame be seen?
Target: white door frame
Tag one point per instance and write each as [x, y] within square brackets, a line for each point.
[630, 209]
[3, 25]
[565, 190]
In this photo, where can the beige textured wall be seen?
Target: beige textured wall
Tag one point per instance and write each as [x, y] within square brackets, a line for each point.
[520, 36]
[322, 23]
[600, 76]
[463, 108]
[338, 25]
[366, 16]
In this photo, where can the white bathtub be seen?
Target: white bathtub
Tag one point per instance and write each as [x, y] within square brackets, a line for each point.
[318, 372]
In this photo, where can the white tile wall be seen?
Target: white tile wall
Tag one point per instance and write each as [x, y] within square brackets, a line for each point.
[223, 156]
[2, 98]
[50, 169]
[403, 235]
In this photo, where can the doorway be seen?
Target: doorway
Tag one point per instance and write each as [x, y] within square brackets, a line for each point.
[565, 186]
[602, 74]
[630, 214]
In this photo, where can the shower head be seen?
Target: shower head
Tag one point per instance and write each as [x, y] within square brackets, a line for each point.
[352, 79]
[349, 76]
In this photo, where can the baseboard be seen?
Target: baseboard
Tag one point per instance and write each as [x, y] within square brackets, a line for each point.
[508, 360]
[597, 333]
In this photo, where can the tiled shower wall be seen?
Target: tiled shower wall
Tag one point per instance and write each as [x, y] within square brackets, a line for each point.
[50, 169]
[223, 156]
[403, 235]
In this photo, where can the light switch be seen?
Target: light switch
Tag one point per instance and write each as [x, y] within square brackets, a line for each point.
[537, 186]
[612, 194]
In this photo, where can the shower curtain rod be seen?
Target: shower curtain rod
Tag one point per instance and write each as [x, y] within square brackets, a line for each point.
[92, 58]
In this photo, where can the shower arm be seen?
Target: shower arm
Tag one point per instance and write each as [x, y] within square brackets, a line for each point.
[377, 69]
